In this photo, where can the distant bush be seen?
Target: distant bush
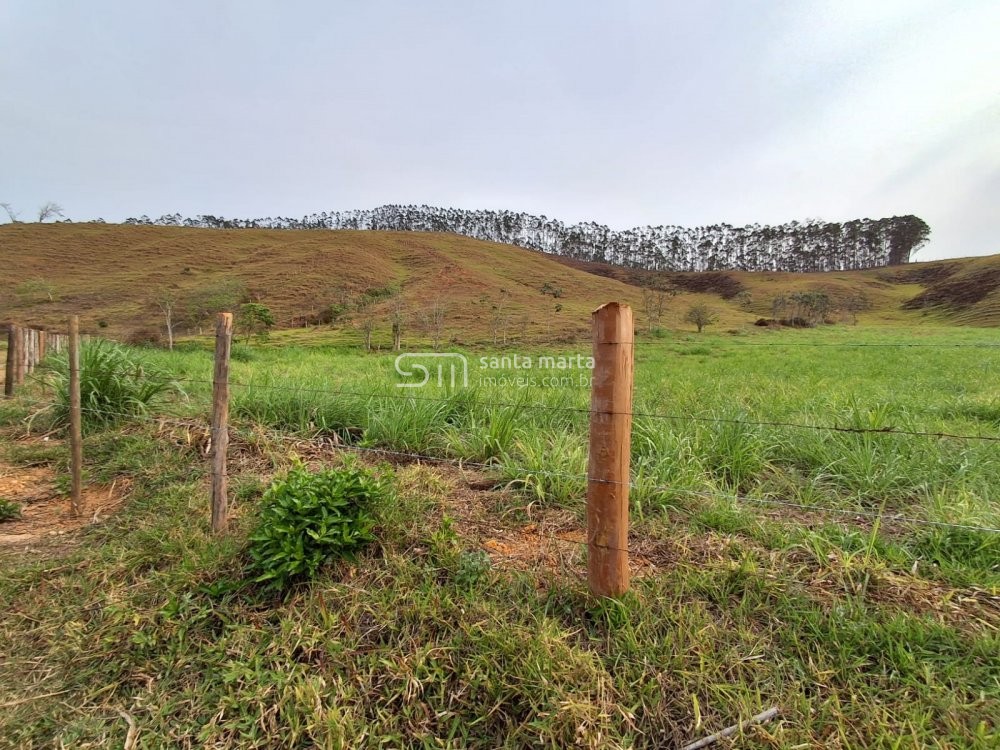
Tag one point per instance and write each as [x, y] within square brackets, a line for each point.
[144, 337]
[310, 517]
[115, 384]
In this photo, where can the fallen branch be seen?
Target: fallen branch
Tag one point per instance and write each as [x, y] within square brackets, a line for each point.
[760, 718]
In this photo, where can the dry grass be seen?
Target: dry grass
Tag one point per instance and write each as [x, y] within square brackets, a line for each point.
[113, 273]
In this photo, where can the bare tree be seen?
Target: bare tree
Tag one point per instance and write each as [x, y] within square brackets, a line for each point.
[499, 316]
[434, 321]
[167, 302]
[653, 303]
[49, 210]
[13, 215]
[366, 320]
[397, 314]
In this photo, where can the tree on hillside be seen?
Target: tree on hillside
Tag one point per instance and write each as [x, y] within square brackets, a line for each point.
[13, 215]
[397, 315]
[167, 302]
[204, 302]
[48, 211]
[433, 321]
[256, 320]
[365, 308]
[653, 304]
[701, 316]
[856, 303]
[499, 315]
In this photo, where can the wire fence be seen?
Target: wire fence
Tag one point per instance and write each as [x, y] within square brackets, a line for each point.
[321, 439]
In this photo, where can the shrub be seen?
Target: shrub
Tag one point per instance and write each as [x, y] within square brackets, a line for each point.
[9, 510]
[308, 518]
[115, 384]
[144, 337]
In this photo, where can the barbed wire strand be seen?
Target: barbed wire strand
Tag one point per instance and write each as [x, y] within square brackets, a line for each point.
[522, 472]
[372, 395]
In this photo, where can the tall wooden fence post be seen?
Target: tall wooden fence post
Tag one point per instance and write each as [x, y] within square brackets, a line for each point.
[610, 447]
[10, 372]
[220, 421]
[22, 355]
[75, 416]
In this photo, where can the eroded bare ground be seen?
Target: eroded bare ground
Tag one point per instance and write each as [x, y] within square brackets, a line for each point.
[46, 518]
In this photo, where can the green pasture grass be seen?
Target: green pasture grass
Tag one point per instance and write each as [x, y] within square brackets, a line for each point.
[863, 634]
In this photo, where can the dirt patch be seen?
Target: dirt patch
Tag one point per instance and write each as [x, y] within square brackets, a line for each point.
[958, 293]
[702, 282]
[918, 274]
[707, 282]
[45, 511]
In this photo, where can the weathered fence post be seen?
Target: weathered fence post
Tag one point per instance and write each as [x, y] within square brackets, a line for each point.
[220, 421]
[610, 447]
[22, 354]
[10, 372]
[43, 342]
[75, 416]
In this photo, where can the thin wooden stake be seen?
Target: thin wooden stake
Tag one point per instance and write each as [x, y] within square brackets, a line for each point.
[761, 718]
[22, 355]
[10, 372]
[220, 421]
[75, 416]
[610, 447]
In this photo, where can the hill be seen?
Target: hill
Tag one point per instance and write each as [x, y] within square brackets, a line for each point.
[113, 276]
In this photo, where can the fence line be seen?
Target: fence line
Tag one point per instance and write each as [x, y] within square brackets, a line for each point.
[586, 410]
[26, 348]
[608, 477]
[320, 440]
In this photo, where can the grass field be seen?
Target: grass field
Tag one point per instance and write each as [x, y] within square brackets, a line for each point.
[863, 632]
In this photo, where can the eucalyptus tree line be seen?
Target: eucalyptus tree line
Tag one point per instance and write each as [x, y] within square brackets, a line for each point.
[795, 246]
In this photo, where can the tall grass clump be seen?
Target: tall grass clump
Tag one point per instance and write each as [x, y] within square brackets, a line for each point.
[550, 468]
[116, 384]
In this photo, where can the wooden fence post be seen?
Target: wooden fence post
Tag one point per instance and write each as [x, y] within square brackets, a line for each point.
[32, 349]
[75, 416]
[22, 354]
[43, 342]
[10, 372]
[220, 421]
[610, 447]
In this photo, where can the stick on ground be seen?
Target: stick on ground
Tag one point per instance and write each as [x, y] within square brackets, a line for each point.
[758, 719]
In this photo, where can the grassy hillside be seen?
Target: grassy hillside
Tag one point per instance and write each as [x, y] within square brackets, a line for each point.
[111, 275]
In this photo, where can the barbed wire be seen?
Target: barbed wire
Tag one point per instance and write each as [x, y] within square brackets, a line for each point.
[519, 473]
[373, 395]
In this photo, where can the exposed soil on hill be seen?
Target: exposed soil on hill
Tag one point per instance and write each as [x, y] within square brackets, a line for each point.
[928, 274]
[721, 283]
[958, 293]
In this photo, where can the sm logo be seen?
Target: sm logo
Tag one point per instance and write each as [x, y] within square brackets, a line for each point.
[416, 369]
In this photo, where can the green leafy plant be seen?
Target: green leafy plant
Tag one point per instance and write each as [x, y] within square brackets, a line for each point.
[471, 568]
[9, 510]
[310, 517]
[115, 384]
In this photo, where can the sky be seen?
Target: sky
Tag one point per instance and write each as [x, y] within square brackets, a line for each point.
[624, 113]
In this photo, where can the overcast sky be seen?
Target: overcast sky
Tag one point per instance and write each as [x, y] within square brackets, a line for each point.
[625, 113]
